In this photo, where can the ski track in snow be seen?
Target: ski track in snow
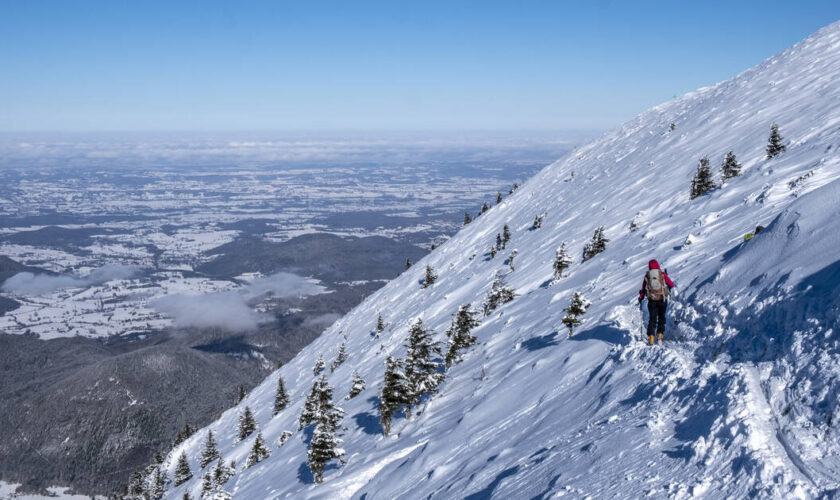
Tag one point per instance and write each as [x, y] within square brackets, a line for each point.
[739, 401]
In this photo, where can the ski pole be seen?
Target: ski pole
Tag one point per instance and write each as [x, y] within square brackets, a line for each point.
[642, 322]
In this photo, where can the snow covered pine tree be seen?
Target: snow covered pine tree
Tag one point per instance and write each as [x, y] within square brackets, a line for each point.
[394, 394]
[774, 144]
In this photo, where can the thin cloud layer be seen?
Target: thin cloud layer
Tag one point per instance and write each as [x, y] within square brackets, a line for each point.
[27, 283]
[230, 310]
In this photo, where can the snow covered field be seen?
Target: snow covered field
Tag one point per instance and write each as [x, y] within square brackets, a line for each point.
[741, 400]
[73, 207]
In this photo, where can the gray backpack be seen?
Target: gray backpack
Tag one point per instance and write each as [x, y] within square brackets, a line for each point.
[656, 289]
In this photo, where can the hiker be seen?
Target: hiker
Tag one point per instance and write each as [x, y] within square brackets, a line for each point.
[656, 287]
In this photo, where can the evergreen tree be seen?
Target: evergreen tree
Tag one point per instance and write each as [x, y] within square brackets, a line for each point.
[319, 365]
[774, 144]
[206, 484]
[380, 325]
[325, 444]
[731, 168]
[395, 393]
[211, 451]
[153, 480]
[432, 246]
[460, 333]
[499, 294]
[423, 369]
[407, 263]
[186, 496]
[498, 197]
[183, 434]
[358, 386]
[218, 493]
[247, 424]
[281, 397]
[240, 395]
[284, 436]
[505, 236]
[513, 188]
[340, 358]
[484, 207]
[562, 261]
[702, 182]
[499, 241]
[259, 452]
[513, 255]
[136, 488]
[182, 471]
[467, 218]
[575, 310]
[430, 277]
[596, 245]
[538, 220]
[493, 252]
[222, 472]
[158, 481]
[310, 407]
[328, 412]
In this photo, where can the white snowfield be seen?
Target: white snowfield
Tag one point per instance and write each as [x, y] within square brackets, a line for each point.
[742, 400]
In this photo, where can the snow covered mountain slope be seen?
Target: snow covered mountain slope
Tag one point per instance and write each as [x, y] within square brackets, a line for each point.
[741, 400]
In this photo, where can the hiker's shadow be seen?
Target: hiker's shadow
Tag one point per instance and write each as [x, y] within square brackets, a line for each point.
[537, 343]
[604, 333]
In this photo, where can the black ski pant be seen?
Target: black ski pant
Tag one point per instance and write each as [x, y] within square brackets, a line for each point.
[656, 323]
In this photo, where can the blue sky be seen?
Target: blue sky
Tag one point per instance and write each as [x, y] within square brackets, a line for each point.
[395, 65]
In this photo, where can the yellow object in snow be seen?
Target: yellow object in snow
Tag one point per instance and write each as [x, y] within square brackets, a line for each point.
[748, 236]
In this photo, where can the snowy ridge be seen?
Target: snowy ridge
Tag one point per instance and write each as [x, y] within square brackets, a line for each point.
[741, 400]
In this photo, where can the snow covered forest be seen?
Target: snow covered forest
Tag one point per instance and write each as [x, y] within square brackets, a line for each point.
[739, 400]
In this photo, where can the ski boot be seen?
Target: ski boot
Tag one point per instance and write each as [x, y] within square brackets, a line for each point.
[660, 338]
[650, 339]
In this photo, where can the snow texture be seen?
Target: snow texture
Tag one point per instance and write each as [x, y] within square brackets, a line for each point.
[741, 400]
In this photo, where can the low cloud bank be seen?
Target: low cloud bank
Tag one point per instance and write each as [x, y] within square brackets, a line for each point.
[38, 284]
[230, 310]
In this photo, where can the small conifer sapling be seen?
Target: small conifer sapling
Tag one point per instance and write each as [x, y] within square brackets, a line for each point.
[182, 471]
[731, 168]
[429, 278]
[358, 386]
[340, 358]
[499, 294]
[775, 147]
[576, 309]
[210, 452]
[319, 365]
[259, 452]
[394, 394]
[460, 333]
[423, 368]
[702, 182]
[247, 424]
[281, 397]
[596, 245]
[562, 261]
